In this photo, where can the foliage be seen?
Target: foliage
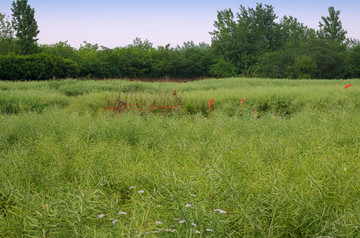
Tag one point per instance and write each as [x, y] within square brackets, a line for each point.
[331, 27]
[222, 69]
[7, 40]
[242, 41]
[251, 42]
[353, 62]
[25, 26]
[36, 67]
[304, 67]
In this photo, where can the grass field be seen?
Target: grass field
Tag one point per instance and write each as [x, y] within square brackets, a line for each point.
[71, 168]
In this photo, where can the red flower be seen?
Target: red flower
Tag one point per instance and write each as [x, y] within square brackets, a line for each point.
[241, 101]
[210, 103]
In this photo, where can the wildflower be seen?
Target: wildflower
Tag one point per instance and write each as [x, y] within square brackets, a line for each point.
[132, 187]
[114, 221]
[182, 221]
[192, 195]
[101, 215]
[219, 210]
[210, 230]
[242, 100]
[141, 191]
[210, 103]
[347, 86]
[197, 232]
[122, 213]
[188, 205]
[193, 224]
[159, 206]
[158, 223]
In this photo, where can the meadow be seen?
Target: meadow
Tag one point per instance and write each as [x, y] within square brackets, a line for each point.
[69, 167]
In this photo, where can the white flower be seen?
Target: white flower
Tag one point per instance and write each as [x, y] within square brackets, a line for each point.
[141, 191]
[132, 187]
[159, 206]
[197, 232]
[122, 213]
[221, 211]
[188, 205]
[132, 218]
[158, 223]
[101, 215]
[114, 221]
[192, 195]
[182, 221]
[209, 230]
[193, 224]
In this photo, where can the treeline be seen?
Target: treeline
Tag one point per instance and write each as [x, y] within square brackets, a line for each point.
[249, 43]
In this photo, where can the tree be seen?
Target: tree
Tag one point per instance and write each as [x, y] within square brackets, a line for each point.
[329, 58]
[331, 27]
[6, 29]
[7, 40]
[243, 40]
[293, 33]
[25, 26]
[305, 67]
[353, 62]
[222, 69]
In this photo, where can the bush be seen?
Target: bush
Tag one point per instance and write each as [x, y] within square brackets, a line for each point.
[36, 67]
[223, 69]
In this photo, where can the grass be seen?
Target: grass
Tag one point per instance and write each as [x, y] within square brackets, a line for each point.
[292, 172]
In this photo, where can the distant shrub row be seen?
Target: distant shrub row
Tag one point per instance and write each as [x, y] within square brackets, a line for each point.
[36, 67]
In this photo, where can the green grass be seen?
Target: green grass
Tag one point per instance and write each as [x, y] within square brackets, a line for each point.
[293, 172]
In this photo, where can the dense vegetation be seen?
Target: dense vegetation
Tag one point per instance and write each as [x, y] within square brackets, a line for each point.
[70, 167]
[251, 42]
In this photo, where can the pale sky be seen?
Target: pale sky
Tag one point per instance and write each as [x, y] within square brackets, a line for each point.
[114, 23]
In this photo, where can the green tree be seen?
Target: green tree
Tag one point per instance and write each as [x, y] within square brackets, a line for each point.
[244, 39]
[62, 49]
[222, 69]
[6, 29]
[25, 26]
[331, 27]
[7, 40]
[353, 62]
[305, 67]
[293, 33]
[329, 58]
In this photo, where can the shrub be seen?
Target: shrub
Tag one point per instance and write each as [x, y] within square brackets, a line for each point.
[36, 67]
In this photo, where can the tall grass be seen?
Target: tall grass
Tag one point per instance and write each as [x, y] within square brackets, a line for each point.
[92, 173]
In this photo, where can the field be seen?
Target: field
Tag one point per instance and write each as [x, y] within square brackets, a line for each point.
[283, 163]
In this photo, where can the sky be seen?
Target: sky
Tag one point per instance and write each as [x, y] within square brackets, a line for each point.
[116, 23]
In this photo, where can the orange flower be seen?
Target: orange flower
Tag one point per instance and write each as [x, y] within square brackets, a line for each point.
[210, 103]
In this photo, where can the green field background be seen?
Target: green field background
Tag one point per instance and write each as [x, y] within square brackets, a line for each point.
[72, 168]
